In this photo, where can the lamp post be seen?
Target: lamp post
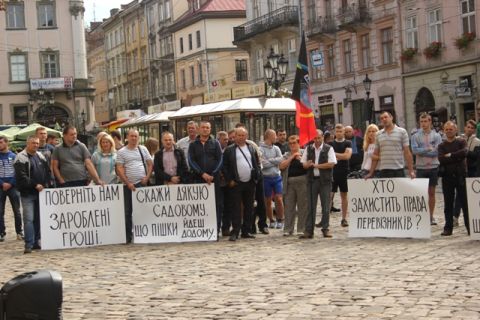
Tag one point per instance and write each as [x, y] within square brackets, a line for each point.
[275, 71]
[83, 121]
[367, 84]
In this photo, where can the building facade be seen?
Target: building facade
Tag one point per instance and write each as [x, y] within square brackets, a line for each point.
[115, 58]
[271, 25]
[97, 70]
[160, 15]
[207, 64]
[441, 56]
[42, 46]
[348, 40]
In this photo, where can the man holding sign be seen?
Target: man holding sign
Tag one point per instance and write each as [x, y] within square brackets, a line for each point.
[134, 168]
[33, 174]
[392, 146]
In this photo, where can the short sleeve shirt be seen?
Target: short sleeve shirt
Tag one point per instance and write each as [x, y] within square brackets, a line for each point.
[391, 147]
[71, 161]
[135, 168]
[340, 147]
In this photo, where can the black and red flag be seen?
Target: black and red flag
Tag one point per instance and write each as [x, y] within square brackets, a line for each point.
[302, 94]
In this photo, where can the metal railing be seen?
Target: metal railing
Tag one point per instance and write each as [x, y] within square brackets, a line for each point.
[354, 14]
[287, 15]
[321, 25]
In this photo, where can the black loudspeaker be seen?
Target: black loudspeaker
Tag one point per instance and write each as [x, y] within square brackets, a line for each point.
[33, 295]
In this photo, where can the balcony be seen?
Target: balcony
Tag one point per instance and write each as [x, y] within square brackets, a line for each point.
[321, 28]
[354, 18]
[285, 16]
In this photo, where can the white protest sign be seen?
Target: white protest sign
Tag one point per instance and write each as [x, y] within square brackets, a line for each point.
[174, 213]
[82, 216]
[394, 208]
[473, 197]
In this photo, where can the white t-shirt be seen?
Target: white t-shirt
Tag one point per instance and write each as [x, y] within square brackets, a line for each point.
[244, 166]
[132, 162]
[367, 157]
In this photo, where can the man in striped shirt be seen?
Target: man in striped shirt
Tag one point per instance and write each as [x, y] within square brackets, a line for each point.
[425, 144]
[392, 148]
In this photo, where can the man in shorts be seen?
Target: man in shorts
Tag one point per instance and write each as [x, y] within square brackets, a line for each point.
[425, 144]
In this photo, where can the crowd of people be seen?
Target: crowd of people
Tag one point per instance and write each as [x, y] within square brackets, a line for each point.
[273, 185]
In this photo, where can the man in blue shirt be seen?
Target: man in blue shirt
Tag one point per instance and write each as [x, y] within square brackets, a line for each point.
[8, 189]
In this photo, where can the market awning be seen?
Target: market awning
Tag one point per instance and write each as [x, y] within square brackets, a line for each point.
[113, 125]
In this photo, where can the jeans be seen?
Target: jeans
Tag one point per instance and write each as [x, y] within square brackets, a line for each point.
[14, 197]
[452, 185]
[392, 173]
[31, 221]
[260, 208]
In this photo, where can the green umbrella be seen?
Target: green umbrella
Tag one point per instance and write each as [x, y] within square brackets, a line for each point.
[10, 132]
[30, 130]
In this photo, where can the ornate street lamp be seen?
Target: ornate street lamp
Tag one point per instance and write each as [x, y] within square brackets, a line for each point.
[275, 70]
[367, 83]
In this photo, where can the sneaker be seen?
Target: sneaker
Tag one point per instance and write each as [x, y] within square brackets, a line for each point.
[287, 234]
[344, 223]
[333, 209]
[20, 236]
[433, 222]
[455, 221]
[279, 225]
[27, 250]
[273, 224]
[2, 238]
[36, 247]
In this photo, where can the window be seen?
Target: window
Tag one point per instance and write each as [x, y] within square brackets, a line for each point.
[190, 41]
[183, 83]
[196, 4]
[161, 11]
[20, 114]
[259, 63]
[133, 29]
[171, 83]
[181, 44]
[192, 75]
[241, 73]
[49, 61]
[411, 32]
[270, 5]
[365, 47]
[435, 26]
[468, 16]
[15, 15]
[347, 56]
[311, 12]
[199, 39]
[46, 15]
[200, 73]
[256, 9]
[135, 61]
[18, 67]
[331, 61]
[292, 54]
[387, 45]
[167, 10]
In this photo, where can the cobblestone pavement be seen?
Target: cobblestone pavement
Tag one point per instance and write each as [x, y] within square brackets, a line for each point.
[271, 277]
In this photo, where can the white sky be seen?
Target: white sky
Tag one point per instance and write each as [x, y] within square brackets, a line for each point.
[102, 9]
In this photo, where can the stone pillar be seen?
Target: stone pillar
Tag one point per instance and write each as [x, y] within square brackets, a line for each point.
[77, 10]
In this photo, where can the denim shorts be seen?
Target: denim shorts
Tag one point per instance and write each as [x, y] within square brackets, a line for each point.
[271, 185]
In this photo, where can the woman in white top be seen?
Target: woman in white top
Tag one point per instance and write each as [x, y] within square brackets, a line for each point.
[369, 148]
[104, 159]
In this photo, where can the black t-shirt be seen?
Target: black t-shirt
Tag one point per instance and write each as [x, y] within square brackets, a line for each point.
[296, 169]
[340, 147]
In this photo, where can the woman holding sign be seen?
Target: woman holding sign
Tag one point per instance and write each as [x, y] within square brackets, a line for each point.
[369, 148]
[104, 159]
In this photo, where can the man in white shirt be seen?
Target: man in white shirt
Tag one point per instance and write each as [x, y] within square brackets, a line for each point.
[134, 167]
[319, 158]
